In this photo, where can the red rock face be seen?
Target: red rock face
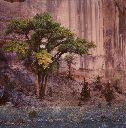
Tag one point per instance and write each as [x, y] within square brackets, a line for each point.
[103, 21]
[14, 1]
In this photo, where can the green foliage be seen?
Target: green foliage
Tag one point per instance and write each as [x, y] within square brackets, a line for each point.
[69, 59]
[85, 93]
[98, 84]
[44, 58]
[109, 93]
[42, 21]
[19, 26]
[78, 46]
[42, 30]
[21, 48]
[54, 67]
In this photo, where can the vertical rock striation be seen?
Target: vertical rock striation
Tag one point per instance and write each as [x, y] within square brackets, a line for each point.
[101, 21]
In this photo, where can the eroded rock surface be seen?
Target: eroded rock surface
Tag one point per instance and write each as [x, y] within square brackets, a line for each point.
[103, 22]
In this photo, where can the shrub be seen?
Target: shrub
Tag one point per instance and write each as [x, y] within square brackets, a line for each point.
[117, 86]
[32, 114]
[98, 84]
[108, 93]
[6, 89]
[85, 93]
[4, 98]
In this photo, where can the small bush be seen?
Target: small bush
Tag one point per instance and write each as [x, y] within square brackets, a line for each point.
[85, 93]
[117, 86]
[4, 98]
[98, 84]
[6, 89]
[108, 93]
[32, 114]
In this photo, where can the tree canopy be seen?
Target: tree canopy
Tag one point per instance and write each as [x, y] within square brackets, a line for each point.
[42, 41]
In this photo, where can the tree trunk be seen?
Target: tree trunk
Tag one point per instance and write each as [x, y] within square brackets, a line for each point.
[37, 85]
[46, 85]
[69, 71]
[41, 91]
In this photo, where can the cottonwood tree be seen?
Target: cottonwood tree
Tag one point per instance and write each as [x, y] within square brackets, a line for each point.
[40, 44]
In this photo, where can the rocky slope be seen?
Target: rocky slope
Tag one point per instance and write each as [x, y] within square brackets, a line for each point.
[64, 92]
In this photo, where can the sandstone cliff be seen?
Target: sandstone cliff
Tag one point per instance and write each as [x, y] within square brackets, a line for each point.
[102, 21]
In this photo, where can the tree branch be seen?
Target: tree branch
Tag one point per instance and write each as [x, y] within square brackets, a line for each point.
[58, 55]
[26, 36]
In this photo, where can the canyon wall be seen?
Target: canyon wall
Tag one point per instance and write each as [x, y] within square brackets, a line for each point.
[101, 21]
[114, 38]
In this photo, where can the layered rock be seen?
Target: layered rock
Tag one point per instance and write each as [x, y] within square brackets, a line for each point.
[114, 39]
[15, 0]
[102, 21]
